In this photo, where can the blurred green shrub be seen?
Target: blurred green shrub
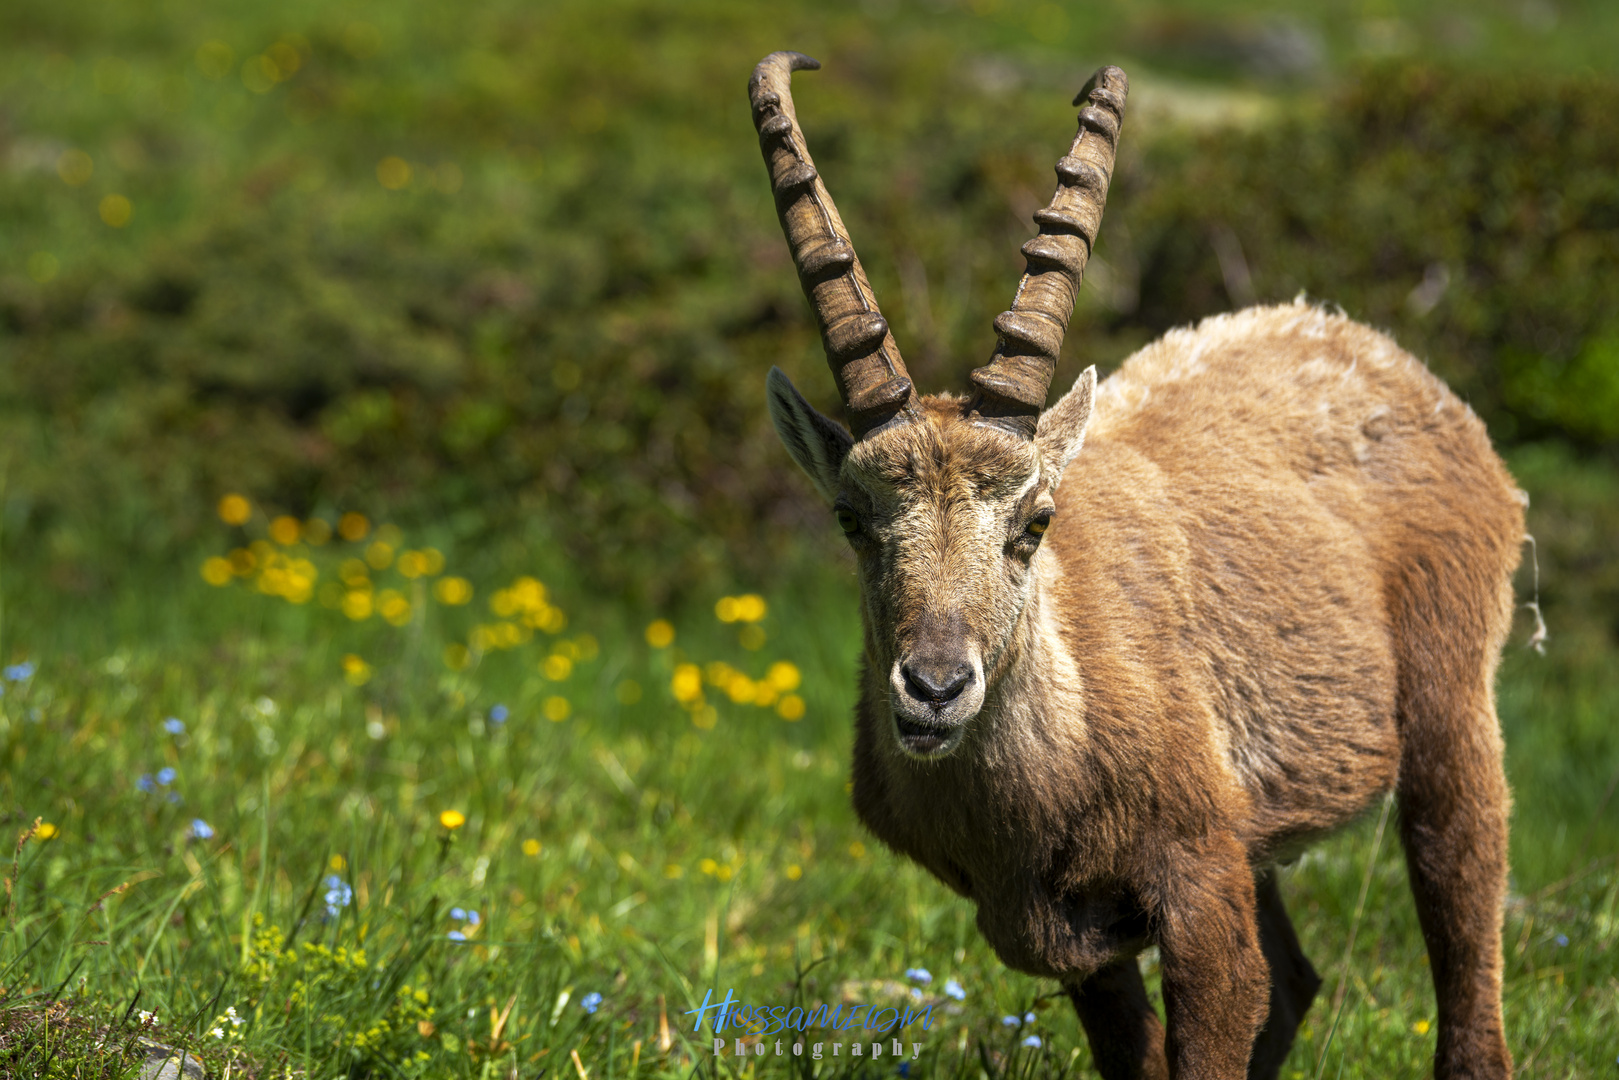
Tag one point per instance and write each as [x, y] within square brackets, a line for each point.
[581, 340]
[1476, 216]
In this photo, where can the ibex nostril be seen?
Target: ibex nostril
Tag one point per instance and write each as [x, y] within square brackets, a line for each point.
[936, 685]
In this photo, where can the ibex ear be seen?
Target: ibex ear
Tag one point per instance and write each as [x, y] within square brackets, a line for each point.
[817, 443]
[1061, 430]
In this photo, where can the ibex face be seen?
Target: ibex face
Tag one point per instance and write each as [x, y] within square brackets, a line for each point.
[945, 516]
[943, 499]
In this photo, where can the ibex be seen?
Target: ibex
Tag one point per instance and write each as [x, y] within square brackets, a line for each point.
[1123, 655]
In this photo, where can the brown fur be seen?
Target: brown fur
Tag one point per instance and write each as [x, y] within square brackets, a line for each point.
[1275, 587]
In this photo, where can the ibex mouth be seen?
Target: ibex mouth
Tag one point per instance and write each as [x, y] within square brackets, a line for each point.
[925, 740]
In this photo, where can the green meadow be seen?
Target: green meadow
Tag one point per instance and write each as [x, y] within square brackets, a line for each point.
[418, 658]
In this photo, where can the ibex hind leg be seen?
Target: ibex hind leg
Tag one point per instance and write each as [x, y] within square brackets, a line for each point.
[1453, 800]
[1126, 1036]
[1293, 981]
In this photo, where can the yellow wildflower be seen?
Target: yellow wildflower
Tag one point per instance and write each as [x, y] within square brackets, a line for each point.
[453, 590]
[783, 675]
[531, 847]
[379, 555]
[557, 667]
[794, 872]
[556, 709]
[660, 633]
[116, 210]
[452, 819]
[790, 708]
[687, 683]
[1420, 1027]
[46, 831]
[356, 671]
[725, 609]
[235, 510]
[857, 849]
[750, 608]
[285, 530]
[393, 173]
[217, 571]
[393, 607]
[352, 527]
[357, 605]
[739, 688]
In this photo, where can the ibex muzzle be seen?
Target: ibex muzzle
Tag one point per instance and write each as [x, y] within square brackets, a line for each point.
[1124, 654]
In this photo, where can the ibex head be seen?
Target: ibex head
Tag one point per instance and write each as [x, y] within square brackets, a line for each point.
[944, 499]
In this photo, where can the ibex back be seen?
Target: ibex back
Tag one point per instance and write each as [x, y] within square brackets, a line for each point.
[1124, 654]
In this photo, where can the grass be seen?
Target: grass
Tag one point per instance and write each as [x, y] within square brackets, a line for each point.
[627, 826]
[662, 835]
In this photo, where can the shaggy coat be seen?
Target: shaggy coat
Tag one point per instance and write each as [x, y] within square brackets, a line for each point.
[1274, 588]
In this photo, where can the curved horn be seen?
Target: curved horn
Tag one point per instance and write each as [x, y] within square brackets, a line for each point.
[871, 377]
[1010, 390]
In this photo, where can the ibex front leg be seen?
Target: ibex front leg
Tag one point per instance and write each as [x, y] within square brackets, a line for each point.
[1215, 979]
[1126, 1036]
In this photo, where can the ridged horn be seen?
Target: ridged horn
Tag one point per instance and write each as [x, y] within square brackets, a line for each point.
[871, 377]
[1010, 390]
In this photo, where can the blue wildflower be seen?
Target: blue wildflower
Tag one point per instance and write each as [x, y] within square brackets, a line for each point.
[456, 935]
[499, 714]
[166, 775]
[338, 895]
[458, 913]
[201, 829]
[174, 726]
[921, 975]
[1028, 1018]
[174, 797]
[1009, 1021]
[953, 989]
[916, 993]
[1562, 940]
[146, 783]
[1032, 1040]
[472, 917]
[19, 672]
[591, 1002]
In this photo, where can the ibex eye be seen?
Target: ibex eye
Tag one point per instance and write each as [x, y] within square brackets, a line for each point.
[1040, 524]
[848, 522]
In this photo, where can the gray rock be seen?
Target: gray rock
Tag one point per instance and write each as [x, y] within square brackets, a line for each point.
[167, 1063]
